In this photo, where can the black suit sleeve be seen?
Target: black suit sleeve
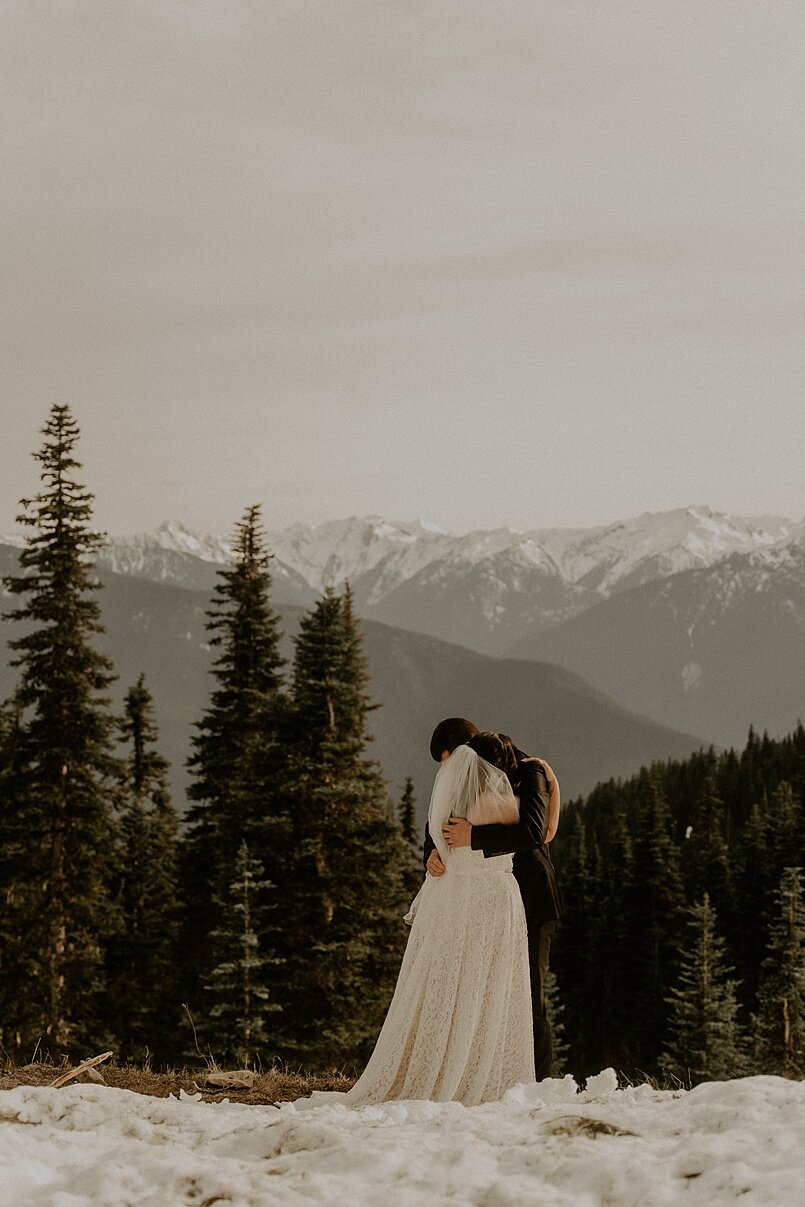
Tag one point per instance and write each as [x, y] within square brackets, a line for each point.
[527, 833]
[428, 847]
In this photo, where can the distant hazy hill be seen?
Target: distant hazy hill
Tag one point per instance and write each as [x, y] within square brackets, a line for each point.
[708, 651]
[159, 629]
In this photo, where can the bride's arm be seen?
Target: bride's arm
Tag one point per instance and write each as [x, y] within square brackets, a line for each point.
[430, 856]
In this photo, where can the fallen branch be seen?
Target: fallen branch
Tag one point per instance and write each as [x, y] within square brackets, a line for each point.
[79, 1069]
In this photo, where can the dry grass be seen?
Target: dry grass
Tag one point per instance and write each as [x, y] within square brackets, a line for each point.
[274, 1085]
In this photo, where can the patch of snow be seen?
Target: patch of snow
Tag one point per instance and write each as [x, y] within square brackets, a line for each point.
[720, 1143]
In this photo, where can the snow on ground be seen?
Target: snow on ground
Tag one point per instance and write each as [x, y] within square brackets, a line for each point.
[723, 1142]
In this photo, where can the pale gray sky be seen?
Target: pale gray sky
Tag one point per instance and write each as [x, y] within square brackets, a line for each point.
[518, 263]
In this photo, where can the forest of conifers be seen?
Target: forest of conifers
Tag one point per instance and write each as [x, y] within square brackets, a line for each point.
[268, 925]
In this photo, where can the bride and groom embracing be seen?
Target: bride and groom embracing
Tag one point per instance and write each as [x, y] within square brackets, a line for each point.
[467, 1020]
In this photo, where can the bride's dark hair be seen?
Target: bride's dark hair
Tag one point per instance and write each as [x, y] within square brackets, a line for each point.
[497, 749]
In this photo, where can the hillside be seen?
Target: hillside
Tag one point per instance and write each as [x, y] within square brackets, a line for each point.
[708, 651]
[159, 629]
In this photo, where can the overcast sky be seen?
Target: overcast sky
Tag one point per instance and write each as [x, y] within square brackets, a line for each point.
[513, 262]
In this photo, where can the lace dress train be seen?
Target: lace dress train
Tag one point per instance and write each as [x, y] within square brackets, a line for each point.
[459, 1025]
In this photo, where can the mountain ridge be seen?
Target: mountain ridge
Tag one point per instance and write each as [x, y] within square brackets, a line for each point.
[488, 588]
[159, 628]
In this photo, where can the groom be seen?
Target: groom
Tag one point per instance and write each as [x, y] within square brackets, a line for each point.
[526, 840]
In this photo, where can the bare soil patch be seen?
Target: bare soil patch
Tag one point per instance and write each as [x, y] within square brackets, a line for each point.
[273, 1085]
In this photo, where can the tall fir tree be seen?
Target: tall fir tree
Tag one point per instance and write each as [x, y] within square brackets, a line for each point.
[239, 752]
[238, 1000]
[785, 836]
[406, 813]
[707, 1042]
[752, 892]
[615, 977]
[780, 1023]
[58, 820]
[348, 893]
[144, 995]
[556, 1009]
[572, 956]
[706, 864]
[660, 905]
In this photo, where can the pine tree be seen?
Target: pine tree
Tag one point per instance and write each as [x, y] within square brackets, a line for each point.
[348, 893]
[705, 850]
[238, 999]
[408, 827]
[18, 896]
[785, 835]
[613, 924]
[556, 1009]
[780, 1025]
[58, 821]
[752, 889]
[659, 906]
[573, 955]
[142, 959]
[239, 750]
[706, 1039]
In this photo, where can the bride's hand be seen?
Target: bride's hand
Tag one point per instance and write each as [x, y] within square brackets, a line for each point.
[435, 866]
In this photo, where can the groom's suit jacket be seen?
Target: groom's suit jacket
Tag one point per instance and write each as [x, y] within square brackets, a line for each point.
[525, 841]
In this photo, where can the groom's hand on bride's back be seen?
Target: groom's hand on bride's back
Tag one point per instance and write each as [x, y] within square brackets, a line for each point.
[434, 866]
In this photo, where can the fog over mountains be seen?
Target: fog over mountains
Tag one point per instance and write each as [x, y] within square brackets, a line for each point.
[692, 618]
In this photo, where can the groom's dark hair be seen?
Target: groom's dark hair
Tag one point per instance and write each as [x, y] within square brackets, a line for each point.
[450, 734]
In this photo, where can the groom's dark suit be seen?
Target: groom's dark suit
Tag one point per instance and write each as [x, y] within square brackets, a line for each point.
[533, 870]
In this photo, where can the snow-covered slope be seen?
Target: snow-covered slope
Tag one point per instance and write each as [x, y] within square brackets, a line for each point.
[174, 554]
[658, 544]
[712, 649]
[721, 1143]
[486, 588]
[327, 555]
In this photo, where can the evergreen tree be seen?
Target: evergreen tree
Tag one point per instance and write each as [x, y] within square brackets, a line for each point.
[410, 833]
[142, 960]
[706, 1040]
[573, 956]
[614, 923]
[18, 896]
[57, 823]
[238, 999]
[238, 755]
[705, 850]
[780, 1024]
[348, 893]
[785, 836]
[556, 1009]
[659, 901]
[752, 887]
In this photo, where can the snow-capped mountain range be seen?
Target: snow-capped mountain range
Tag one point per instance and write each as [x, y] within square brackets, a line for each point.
[692, 618]
[488, 589]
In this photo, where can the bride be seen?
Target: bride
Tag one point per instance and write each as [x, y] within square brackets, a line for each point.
[459, 1026]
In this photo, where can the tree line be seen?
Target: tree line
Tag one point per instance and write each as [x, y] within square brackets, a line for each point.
[681, 953]
[269, 926]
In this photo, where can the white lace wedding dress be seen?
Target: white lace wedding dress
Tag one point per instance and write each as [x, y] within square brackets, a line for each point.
[459, 1026]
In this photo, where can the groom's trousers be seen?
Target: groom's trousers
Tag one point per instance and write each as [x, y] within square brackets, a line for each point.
[539, 946]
